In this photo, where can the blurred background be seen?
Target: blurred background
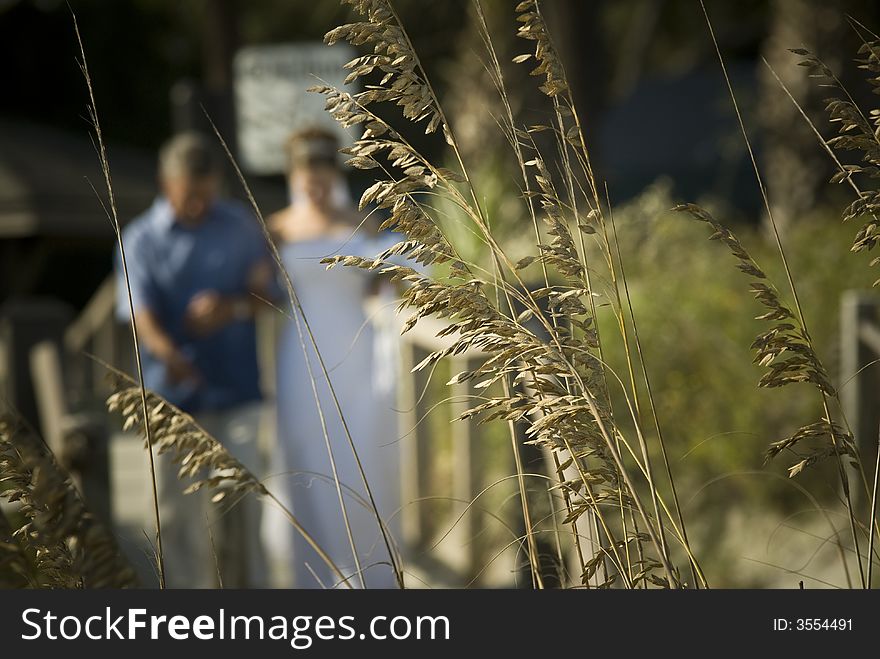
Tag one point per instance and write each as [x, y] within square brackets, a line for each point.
[661, 128]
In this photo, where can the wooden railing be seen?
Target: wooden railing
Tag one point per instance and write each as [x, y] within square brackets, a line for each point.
[95, 333]
[860, 373]
[463, 551]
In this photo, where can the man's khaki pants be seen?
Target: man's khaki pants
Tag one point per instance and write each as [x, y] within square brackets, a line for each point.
[205, 544]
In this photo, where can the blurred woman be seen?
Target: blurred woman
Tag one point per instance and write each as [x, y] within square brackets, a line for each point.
[320, 221]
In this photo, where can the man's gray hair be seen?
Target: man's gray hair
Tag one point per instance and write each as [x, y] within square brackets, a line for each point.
[190, 155]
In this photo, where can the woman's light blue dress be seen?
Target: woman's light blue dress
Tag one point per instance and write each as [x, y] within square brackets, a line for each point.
[362, 367]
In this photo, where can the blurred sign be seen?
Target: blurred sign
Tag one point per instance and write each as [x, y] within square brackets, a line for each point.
[272, 101]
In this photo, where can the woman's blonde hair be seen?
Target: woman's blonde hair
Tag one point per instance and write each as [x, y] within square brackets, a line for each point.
[312, 146]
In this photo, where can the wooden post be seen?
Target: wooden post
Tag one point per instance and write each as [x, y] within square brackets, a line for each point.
[860, 379]
[411, 476]
[95, 330]
[49, 392]
[465, 475]
[78, 441]
[462, 551]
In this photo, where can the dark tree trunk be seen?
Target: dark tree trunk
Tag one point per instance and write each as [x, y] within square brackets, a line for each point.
[576, 30]
[794, 165]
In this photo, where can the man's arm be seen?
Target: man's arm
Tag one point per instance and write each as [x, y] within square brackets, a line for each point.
[155, 339]
[209, 311]
[144, 295]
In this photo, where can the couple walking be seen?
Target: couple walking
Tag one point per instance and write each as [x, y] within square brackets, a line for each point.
[199, 271]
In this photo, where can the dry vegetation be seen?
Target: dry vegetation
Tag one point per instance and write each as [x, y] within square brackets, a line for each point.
[543, 366]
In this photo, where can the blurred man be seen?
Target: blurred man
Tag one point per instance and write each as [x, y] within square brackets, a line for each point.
[196, 267]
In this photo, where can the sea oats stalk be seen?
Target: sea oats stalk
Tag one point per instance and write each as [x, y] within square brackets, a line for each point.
[514, 137]
[60, 544]
[540, 345]
[201, 458]
[857, 132]
[806, 366]
[15, 565]
[570, 137]
[113, 215]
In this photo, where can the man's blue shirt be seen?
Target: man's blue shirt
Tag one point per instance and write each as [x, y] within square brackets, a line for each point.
[168, 264]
